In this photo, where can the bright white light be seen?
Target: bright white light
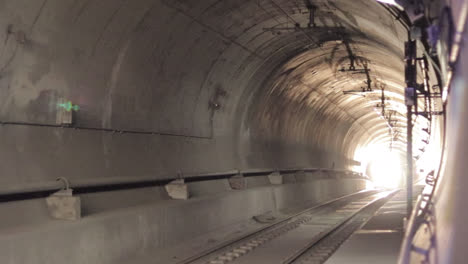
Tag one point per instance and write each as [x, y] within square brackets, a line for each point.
[444, 95]
[383, 166]
[429, 161]
[385, 170]
[391, 2]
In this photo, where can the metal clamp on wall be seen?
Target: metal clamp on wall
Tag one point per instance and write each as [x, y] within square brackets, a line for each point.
[62, 204]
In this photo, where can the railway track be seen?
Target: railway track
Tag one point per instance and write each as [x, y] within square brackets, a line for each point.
[310, 236]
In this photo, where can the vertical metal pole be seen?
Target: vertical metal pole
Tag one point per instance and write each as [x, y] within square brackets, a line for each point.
[409, 160]
[410, 101]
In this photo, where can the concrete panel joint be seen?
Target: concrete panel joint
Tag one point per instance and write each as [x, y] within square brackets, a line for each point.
[237, 182]
[177, 190]
[275, 178]
[63, 205]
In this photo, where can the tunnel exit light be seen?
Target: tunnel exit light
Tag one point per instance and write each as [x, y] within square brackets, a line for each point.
[386, 171]
[382, 165]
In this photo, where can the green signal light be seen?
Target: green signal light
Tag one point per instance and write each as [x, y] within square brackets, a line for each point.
[69, 106]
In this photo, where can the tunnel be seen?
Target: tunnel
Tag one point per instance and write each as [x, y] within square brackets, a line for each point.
[247, 109]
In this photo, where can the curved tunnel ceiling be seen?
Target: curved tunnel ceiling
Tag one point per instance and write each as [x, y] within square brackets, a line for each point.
[213, 85]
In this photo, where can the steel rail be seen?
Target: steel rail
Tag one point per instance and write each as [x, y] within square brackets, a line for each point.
[339, 233]
[233, 249]
[269, 227]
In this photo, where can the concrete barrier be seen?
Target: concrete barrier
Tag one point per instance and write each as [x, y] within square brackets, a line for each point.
[106, 236]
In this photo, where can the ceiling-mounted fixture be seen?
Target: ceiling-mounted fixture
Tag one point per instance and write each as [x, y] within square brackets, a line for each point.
[397, 3]
[413, 8]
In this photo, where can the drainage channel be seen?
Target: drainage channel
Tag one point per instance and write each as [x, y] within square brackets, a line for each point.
[294, 239]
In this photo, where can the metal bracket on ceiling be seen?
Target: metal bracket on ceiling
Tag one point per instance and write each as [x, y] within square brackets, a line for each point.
[312, 9]
[368, 80]
[390, 118]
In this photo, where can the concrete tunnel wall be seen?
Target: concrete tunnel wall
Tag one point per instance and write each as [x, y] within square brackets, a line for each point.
[217, 88]
[166, 87]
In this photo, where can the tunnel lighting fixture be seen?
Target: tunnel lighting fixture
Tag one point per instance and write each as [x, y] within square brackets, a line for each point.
[395, 3]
